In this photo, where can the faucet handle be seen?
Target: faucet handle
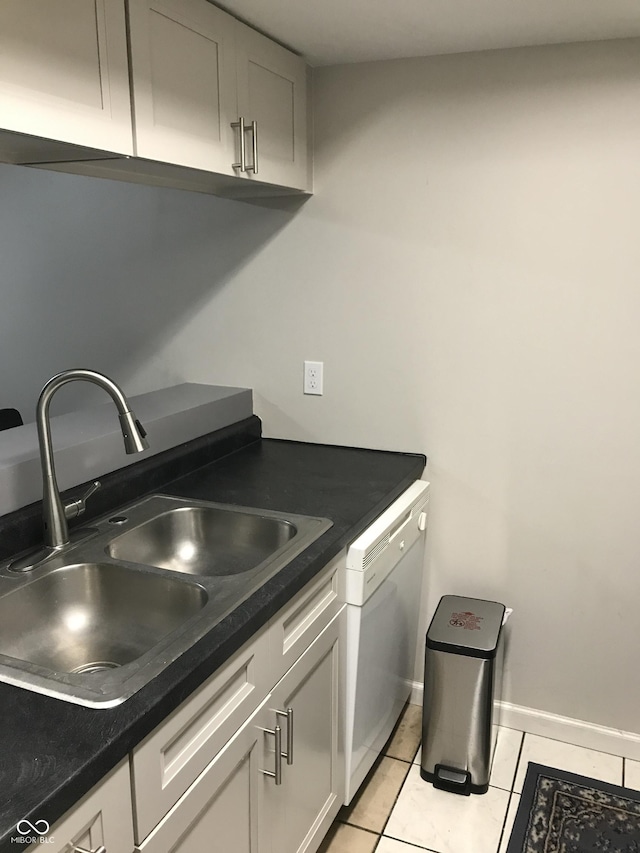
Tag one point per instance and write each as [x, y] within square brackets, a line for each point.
[72, 509]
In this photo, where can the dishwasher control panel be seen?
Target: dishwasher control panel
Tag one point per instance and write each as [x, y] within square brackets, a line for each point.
[376, 552]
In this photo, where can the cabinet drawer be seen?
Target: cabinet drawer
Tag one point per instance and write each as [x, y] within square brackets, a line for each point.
[300, 622]
[169, 760]
[102, 817]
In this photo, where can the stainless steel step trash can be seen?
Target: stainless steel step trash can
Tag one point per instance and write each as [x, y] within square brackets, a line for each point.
[462, 683]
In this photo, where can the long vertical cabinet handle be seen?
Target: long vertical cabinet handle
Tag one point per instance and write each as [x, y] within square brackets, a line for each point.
[254, 135]
[276, 773]
[289, 715]
[242, 165]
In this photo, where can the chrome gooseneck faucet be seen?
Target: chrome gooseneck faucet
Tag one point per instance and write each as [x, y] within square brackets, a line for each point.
[55, 512]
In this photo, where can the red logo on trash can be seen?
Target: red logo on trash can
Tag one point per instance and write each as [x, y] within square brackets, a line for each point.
[467, 620]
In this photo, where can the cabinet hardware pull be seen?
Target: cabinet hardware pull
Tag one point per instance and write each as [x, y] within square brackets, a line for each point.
[289, 715]
[276, 773]
[101, 849]
[242, 165]
[254, 135]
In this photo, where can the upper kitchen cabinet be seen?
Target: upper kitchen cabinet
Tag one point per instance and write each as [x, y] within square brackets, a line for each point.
[166, 92]
[64, 72]
[272, 101]
[212, 94]
[184, 87]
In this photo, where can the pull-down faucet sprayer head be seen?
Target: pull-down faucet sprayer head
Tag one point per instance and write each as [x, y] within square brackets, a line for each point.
[133, 433]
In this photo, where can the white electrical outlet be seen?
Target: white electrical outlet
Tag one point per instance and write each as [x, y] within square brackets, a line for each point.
[313, 377]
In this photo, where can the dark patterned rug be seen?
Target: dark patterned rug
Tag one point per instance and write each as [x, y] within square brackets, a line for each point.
[560, 812]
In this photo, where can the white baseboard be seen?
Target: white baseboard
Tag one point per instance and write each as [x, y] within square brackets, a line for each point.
[417, 693]
[545, 724]
[567, 729]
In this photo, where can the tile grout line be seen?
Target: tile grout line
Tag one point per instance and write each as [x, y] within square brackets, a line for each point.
[511, 792]
[393, 805]
[352, 826]
[384, 755]
[515, 772]
[407, 843]
[397, 797]
[504, 822]
[381, 756]
[410, 763]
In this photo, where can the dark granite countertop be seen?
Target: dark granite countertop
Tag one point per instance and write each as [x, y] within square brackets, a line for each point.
[52, 752]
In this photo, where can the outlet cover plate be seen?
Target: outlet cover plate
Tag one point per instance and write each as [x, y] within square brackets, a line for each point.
[313, 377]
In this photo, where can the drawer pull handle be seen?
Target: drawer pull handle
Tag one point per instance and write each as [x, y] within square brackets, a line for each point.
[289, 715]
[276, 773]
[101, 849]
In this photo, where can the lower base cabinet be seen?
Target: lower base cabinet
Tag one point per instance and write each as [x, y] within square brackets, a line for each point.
[252, 800]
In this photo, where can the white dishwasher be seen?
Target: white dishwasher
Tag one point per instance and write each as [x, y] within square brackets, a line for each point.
[383, 578]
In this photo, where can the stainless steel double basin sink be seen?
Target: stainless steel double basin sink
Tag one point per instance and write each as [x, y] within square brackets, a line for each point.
[95, 623]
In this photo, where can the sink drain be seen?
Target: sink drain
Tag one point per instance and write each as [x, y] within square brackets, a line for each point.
[96, 666]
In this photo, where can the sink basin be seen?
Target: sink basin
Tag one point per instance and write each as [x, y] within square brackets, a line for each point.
[99, 619]
[203, 540]
[92, 617]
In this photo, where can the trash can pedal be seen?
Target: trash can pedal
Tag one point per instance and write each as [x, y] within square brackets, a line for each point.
[451, 779]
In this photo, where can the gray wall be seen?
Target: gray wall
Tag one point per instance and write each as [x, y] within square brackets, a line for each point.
[100, 274]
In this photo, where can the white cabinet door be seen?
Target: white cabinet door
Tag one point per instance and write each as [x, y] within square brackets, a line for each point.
[102, 817]
[183, 81]
[301, 809]
[272, 91]
[63, 72]
[223, 808]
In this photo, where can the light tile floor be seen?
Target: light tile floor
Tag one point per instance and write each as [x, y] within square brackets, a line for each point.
[396, 811]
